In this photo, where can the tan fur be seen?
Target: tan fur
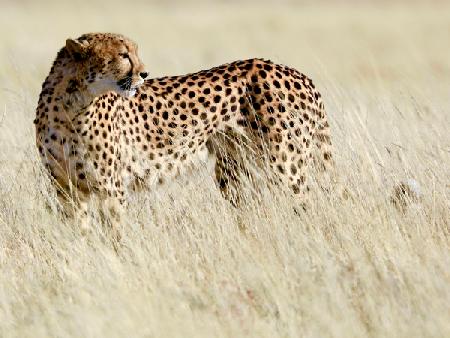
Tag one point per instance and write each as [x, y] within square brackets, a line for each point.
[96, 140]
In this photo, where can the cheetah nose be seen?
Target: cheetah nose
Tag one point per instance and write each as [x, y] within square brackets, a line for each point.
[143, 75]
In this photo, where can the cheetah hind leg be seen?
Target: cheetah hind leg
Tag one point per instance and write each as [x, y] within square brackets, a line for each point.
[323, 160]
[233, 166]
[293, 170]
[322, 156]
[324, 164]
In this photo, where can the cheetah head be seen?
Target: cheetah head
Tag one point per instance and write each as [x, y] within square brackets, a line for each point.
[106, 62]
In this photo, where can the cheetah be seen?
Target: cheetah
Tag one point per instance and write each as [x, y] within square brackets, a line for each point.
[102, 125]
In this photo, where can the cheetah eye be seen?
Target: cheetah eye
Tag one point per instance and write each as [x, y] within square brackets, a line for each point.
[124, 55]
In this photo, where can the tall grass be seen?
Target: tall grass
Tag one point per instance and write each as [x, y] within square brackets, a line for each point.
[192, 265]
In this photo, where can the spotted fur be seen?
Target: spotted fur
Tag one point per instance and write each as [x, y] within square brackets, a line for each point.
[100, 128]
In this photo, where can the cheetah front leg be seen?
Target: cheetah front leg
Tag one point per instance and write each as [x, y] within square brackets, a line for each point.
[111, 212]
[74, 206]
[112, 207]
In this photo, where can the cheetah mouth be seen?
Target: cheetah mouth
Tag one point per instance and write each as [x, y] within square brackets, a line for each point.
[126, 87]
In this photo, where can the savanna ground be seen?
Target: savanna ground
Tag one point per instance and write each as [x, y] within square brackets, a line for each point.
[190, 265]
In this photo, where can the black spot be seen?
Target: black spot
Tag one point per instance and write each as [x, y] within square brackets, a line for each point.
[268, 67]
[295, 189]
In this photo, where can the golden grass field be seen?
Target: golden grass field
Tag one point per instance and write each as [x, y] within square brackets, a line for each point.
[190, 265]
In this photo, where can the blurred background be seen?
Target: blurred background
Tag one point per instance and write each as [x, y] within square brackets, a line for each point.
[393, 42]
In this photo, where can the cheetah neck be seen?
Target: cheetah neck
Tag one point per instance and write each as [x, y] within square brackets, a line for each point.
[77, 102]
[63, 92]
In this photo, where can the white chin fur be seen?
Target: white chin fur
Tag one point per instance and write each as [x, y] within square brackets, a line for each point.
[130, 93]
[127, 93]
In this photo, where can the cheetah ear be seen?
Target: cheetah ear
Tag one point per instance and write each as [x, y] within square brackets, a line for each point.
[76, 49]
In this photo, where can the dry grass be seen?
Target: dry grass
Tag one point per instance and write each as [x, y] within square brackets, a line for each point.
[190, 264]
